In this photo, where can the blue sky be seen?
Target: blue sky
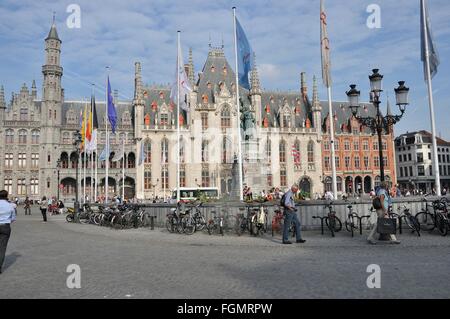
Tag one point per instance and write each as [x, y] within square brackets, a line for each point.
[284, 35]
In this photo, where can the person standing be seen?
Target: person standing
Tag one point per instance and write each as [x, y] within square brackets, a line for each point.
[43, 207]
[290, 215]
[385, 200]
[27, 206]
[7, 216]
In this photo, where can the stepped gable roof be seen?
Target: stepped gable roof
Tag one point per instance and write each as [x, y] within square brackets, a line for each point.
[343, 114]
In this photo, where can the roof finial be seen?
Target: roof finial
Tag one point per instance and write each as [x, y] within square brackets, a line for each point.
[210, 40]
[54, 16]
[222, 42]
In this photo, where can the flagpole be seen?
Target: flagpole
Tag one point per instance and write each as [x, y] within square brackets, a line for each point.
[241, 196]
[95, 175]
[107, 139]
[333, 151]
[84, 153]
[123, 169]
[178, 117]
[91, 143]
[431, 102]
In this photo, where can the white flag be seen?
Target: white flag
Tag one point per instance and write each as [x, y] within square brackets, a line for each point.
[185, 86]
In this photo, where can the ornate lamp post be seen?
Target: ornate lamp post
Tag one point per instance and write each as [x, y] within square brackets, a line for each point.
[77, 143]
[378, 123]
[58, 166]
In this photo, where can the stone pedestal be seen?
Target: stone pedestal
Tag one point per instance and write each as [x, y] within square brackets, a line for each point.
[254, 174]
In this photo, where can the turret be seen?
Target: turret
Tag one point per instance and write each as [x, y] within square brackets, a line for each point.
[255, 93]
[303, 86]
[316, 109]
[34, 90]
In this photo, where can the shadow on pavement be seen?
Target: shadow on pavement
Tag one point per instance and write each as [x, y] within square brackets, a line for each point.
[11, 259]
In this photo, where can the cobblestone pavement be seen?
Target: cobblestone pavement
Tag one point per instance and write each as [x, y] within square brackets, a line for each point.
[140, 263]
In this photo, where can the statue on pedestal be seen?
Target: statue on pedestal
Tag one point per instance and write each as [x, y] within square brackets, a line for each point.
[247, 122]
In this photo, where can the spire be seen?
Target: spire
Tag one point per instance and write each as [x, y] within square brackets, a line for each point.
[138, 88]
[2, 98]
[316, 101]
[191, 68]
[303, 86]
[53, 34]
[34, 89]
[254, 79]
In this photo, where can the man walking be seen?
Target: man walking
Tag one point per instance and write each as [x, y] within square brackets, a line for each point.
[7, 216]
[290, 215]
[385, 200]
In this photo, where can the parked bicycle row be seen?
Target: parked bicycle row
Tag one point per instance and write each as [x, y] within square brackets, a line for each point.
[117, 217]
[434, 215]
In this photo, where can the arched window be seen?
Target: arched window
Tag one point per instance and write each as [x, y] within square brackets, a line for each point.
[64, 160]
[226, 148]
[165, 151]
[22, 137]
[205, 177]
[131, 159]
[310, 152]
[225, 117]
[286, 119]
[148, 151]
[282, 151]
[9, 136]
[35, 136]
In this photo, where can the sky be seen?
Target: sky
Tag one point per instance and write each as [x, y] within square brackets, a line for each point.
[285, 36]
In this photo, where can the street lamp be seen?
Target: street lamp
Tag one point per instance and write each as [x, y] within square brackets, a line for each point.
[58, 166]
[378, 123]
[77, 143]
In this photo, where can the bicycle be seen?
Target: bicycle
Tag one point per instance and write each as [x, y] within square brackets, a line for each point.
[333, 222]
[199, 219]
[244, 223]
[278, 224]
[220, 224]
[437, 219]
[352, 216]
[406, 217]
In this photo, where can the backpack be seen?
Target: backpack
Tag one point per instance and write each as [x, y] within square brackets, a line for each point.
[376, 203]
[283, 200]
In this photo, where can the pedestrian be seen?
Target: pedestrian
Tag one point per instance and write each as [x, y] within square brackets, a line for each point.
[43, 207]
[7, 216]
[290, 215]
[60, 206]
[386, 201]
[27, 206]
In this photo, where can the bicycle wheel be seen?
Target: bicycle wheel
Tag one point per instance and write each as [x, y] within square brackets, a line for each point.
[441, 225]
[337, 224]
[69, 218]
[426, 221]
[411, 220]
[189, 226]
[200, 222]
[170, 225]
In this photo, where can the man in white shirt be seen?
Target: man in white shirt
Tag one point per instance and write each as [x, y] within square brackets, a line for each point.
[7, 216]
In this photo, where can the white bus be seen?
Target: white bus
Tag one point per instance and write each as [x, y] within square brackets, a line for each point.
[193, 193]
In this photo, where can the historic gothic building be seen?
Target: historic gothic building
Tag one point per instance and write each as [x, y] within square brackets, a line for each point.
[287, 143]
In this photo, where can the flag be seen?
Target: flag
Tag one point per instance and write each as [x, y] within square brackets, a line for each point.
[83, 129]
[432, 51]
[325, 47]
[296, 154]
[245, 56]
[185, 86]
[92, 144]
[104, 154]
[142, 155]
[120, 155]
[112, 115]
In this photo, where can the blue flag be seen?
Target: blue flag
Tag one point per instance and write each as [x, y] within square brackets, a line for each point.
[245, 56]
[142, 155]
[432, 51]
[112, 115]
[104, 154]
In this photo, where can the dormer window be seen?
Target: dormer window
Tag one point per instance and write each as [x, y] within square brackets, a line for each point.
[147, 119]
[205, 99]
[225, 71]
[209, 85]
[154, 106]
[213, 69]
[164, 119]
[161, 95]
[297, 110]
[267, 109]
